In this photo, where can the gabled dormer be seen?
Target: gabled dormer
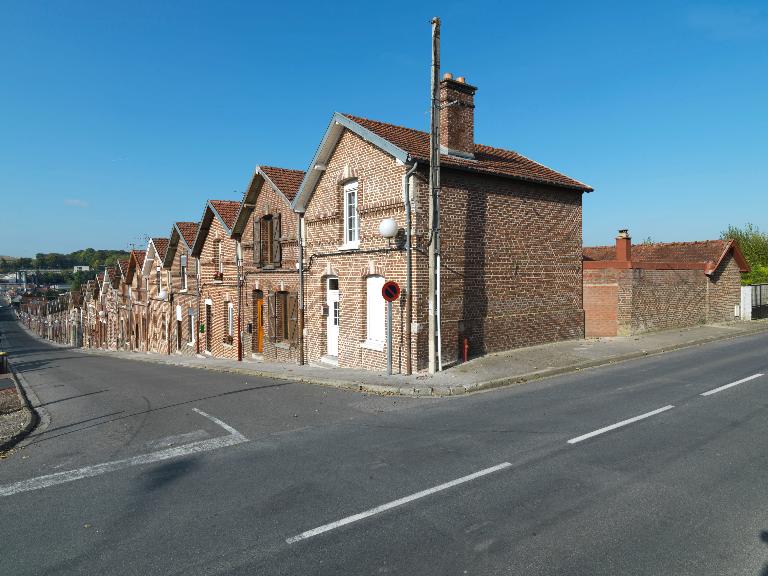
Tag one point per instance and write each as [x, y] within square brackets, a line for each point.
[266, 224]
[156, 279]
[178, 257]
[213, 243]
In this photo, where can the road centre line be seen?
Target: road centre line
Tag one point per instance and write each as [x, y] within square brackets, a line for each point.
[395, 503]
[234, 437]
[619, 424]
[716, 390]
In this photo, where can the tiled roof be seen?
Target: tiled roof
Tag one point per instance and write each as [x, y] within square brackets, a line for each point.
[288, 181]
[703, 251]
[112, 274]
[188, 231]
[161, 245]
[487, 159]
[228, 210]
[123, 266]
[139, 256]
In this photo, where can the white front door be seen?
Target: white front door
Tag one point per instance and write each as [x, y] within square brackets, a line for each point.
[333, 317]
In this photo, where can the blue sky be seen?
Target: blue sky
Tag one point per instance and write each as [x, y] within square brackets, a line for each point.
[119, 118]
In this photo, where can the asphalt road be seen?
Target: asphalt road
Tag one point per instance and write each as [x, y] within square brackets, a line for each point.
[149, 469]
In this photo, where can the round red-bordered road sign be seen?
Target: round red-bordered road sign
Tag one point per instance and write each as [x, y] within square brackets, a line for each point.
[390, 291]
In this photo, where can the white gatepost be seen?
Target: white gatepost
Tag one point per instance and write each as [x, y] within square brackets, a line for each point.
[746, 302]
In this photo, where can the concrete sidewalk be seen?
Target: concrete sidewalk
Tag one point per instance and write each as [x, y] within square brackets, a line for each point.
[491, 371]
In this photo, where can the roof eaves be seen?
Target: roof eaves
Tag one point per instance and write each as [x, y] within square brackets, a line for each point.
[327, 146]
[220, 218]
[173, 242]
[246, 205]
[202, 231]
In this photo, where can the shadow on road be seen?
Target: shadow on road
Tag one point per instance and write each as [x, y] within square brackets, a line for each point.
[44, 436]
[764, 538]
[160, 476]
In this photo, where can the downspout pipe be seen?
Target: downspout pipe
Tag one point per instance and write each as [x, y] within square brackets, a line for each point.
[197, 312]
[408, 268]
[239, 258]
[301, 288]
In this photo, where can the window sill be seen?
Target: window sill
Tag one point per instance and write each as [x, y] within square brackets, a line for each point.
[350, 246]
[283, 345]
[372, 345]
[183, 291]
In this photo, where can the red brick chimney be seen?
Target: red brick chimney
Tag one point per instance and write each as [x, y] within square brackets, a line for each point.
[623, 246]
[457, 116]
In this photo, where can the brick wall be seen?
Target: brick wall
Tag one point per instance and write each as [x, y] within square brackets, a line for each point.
[601, 294]
[648, 299]
[219, 292]
[664, 299]
[724, 290]
[511, 255]
[262, 281]
[183, 300]
[379, 180]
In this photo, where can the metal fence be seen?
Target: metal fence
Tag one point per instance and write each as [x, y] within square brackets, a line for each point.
[759, 301]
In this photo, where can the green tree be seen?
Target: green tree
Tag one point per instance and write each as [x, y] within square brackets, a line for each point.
[754, 246]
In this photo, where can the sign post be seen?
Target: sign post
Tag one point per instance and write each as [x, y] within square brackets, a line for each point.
[391, 292]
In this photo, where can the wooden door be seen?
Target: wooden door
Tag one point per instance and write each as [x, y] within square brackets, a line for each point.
[258, 322]
[208, 327]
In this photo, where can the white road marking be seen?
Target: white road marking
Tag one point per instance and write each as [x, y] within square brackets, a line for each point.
[177, 439]
[716, 390]
[224, 425]
[234, 437]
[395, 503]
[619, 424]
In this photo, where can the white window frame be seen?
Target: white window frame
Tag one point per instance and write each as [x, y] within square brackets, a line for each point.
[221, 260]
[375, 314]
[184, 273]
[230, 319]
[351, 233]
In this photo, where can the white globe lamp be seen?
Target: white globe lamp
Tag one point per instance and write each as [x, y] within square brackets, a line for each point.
[388, 228]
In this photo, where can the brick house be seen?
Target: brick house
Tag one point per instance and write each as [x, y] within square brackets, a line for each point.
[266, 227]
[183, 293]
[633, 289]
[510, 248]
[137, 301]
[217, 305]
[124, 307]
[109, 296]
[157, 282]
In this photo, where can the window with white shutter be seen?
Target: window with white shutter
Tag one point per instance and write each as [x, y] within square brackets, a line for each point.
[375, 312]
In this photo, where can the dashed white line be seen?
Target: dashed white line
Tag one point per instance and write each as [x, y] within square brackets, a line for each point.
[395, 503]
[716, 390]
[619, 424]
[234, 437]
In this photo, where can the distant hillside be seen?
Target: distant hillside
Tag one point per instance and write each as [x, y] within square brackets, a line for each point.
[96, 259]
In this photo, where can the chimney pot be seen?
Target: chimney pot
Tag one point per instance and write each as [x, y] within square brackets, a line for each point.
[461, 79]
[447, 76]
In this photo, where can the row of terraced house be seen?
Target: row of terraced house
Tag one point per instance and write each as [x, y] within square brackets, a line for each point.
[293, 270]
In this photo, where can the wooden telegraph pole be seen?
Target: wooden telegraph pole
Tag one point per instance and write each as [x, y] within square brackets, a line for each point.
[434, 187]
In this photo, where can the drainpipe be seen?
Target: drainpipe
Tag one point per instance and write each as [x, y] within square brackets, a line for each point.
[239, 258]
[301, 289]
[197, 317]
[408, 268]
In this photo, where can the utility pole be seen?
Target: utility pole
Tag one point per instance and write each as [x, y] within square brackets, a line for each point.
[434, 187]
